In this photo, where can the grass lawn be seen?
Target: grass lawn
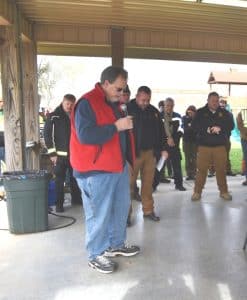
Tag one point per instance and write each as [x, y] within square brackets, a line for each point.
[236, 157]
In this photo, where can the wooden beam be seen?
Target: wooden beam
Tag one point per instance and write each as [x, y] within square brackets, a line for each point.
[190, 41]
[153, 14]
[73, 50]
[7, 18]
[169, 44]
[139, 52]
[117, 46]
[6, 13]
[26, 29]
[185, 55]
[48, 34]
[67, 34]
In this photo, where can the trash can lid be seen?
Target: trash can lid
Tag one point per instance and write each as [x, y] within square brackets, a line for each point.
[22, 175]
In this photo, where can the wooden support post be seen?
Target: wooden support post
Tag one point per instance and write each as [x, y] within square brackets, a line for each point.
[20, 94]
[13, 95]
[31, 103]
[117, 46]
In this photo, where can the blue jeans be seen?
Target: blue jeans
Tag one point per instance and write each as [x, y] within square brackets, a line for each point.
[244, 149]
[106, 202]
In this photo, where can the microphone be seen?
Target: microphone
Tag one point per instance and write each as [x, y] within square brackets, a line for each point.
[124, 110]
[123, 107]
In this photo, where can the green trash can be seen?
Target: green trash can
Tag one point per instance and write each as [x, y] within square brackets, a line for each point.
[27, 201]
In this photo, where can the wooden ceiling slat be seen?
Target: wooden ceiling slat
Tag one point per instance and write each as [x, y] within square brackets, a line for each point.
[142, 13]
[177, 5]
[153, 14]
[175, 28]
[180, 16]
[159, 20]
[141, 10]
[78, 2]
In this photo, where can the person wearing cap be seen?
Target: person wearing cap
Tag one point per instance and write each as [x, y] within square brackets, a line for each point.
[212, 125]
[189, 143]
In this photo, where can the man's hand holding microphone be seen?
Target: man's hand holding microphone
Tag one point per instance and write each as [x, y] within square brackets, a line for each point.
[124, 123]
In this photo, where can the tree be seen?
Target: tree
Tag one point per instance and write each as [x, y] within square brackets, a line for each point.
[46, 82]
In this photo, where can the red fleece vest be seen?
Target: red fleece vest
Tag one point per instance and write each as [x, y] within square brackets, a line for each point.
[106, 157]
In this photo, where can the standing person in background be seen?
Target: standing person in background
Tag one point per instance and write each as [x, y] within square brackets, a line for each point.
[150, 143]
[223, 105]
[124, 99]
[243, 134]
[189, 143]
[125, 96]
[101, 146]
[57, 137]
[212, 125]
[173, 131]
[161, 105]
[160, 176]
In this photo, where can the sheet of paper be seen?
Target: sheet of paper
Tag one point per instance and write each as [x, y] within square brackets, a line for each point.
[160, 163]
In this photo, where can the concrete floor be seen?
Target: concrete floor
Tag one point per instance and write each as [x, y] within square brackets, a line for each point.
[194, 252]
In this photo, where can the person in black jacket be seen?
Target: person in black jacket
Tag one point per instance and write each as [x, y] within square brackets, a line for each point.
[124, 100]
[212, 125]
[57, 137]
[149, 142]
[189, 143]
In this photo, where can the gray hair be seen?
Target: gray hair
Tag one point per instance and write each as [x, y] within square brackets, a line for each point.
[169, 99]
[112, 73]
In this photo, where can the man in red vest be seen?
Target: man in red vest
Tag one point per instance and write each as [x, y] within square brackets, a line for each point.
[100, 146]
